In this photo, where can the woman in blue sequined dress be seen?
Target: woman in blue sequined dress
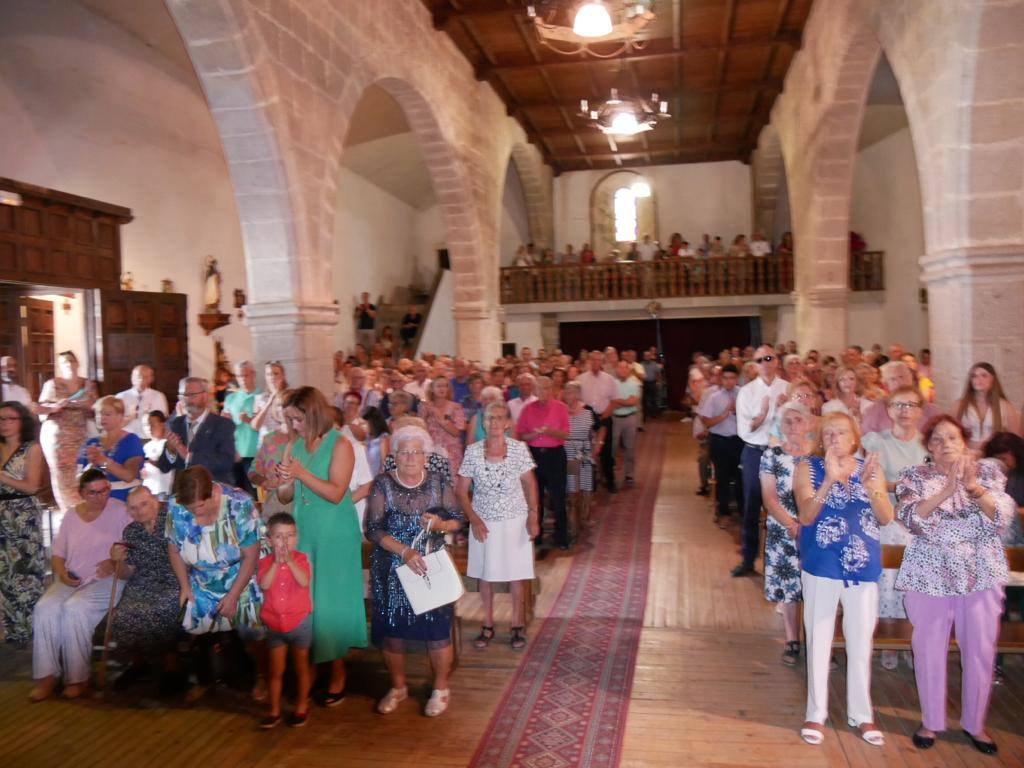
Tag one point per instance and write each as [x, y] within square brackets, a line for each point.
[401, 504]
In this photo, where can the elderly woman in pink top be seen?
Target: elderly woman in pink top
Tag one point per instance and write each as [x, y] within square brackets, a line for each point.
[446, 421]
[67, 614]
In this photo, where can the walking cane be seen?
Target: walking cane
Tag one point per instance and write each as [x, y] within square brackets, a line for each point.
[101, 673]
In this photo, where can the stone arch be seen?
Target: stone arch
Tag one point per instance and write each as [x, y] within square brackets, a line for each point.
[601, 239]
[232, 64]
[536, 180]
[768, 177]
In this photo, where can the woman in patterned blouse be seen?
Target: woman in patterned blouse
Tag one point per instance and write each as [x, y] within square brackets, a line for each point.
[842, 502]
[953, 573]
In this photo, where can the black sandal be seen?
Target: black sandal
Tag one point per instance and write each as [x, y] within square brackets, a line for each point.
[791, 654]
[482, 640]
[518, 639]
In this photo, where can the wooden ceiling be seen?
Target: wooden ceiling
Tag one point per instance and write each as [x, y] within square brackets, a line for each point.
[719, 63]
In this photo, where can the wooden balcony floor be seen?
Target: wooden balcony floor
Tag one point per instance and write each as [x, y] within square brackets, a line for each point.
[709, 689]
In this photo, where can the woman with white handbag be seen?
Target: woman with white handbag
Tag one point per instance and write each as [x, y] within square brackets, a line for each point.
[408, 513]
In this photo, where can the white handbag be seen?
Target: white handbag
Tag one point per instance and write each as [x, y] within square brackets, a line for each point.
[440, 585]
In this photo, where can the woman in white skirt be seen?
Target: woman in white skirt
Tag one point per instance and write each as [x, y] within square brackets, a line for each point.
[502, 513]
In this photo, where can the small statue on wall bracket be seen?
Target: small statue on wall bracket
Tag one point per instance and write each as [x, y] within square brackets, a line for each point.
[167, 285]
[211, 286]
[127, 282]
[212, 318]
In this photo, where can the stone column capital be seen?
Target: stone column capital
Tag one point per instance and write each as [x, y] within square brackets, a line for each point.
[823, 296]
[278, 315]
[471, 312]
[984, 262]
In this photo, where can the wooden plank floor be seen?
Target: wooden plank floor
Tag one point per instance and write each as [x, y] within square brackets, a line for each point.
[709, 688]
[138, 729]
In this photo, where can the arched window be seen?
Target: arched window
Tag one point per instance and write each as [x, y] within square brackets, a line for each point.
[625, 215]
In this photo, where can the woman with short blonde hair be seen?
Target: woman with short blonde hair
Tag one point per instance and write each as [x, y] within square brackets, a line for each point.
[117, 452]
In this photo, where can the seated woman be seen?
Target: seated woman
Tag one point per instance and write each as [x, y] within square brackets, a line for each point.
[403, 503]
[842, 502]
[67, 614]
[116, 451]
[146, 621]
[213, 545]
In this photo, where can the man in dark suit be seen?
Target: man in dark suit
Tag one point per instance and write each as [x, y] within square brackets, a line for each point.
[199, 437]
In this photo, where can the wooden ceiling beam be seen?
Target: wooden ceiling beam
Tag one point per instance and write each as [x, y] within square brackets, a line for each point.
[723, 58]
[658, 48]
[781, 10]
[604, 165]
[733, 148]
[480, 9]
[772, 85]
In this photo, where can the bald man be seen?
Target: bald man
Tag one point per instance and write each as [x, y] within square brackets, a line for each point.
[10, 389]
[141, 400]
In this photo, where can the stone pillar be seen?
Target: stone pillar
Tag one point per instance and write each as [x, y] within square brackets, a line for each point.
[478, 333]
[821, 319]
[975, 314]
[297, 334]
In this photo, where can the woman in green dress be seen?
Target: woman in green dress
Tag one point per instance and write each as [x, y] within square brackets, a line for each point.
[316, 476]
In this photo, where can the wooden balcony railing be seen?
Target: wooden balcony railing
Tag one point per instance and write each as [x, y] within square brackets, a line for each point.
[670, 278]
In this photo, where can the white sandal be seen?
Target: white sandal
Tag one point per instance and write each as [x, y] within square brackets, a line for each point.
[391, 700]
[873, 736]
[438, 702]
[813, 736]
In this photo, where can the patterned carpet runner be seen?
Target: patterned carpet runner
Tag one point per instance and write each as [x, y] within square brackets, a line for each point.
[568, 702]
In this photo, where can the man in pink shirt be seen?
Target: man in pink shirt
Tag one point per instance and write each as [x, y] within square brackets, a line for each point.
[544, 426]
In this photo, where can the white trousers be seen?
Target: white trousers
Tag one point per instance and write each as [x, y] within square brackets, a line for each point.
[62, 627]
[860, 615]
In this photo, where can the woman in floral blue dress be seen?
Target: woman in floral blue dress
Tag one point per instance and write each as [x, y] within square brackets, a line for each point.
[781, 554]
[22, 558]
[213, 531]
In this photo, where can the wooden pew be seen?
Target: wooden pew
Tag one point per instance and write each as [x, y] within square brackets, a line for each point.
[895, 634]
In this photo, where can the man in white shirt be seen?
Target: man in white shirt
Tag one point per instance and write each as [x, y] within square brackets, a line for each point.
[525, 383]
[648, 249]
[599, 389]
[10, 389]
[755, 411]
[419, 385]
[140, 400]
[759, 246]
[626, 417]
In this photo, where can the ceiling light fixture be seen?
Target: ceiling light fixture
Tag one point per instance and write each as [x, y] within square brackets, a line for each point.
[571, 26]
[625, 116]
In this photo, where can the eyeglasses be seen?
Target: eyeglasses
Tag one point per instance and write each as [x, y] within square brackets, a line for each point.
[104, 492]
[407, 454]
[10, 418]
[765, 359]
[192, 394]
[903, 406]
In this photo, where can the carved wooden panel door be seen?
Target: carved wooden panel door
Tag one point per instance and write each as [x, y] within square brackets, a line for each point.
[141, 327]
[37, 319]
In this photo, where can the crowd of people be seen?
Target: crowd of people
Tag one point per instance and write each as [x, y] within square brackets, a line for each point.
[648, 249]
[241, 524]
[848, 455]
[245, 527]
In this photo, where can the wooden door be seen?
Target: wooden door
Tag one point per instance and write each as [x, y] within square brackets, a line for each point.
[10, 323]
[142, 327]
[38, 360]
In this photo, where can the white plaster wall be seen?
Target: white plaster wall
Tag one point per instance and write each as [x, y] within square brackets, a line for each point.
[89, 109]
[886, 211]
[439, 329]
[515, 220]
[525, 331]
[691, 199]
[430, 238]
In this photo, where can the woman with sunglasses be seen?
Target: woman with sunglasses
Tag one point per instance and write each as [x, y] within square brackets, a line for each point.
[67, 614]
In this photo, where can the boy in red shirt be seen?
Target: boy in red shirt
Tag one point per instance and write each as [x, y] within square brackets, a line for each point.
[285, 576]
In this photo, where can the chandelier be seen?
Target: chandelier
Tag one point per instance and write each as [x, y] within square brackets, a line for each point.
[593, 21]
[620, 116]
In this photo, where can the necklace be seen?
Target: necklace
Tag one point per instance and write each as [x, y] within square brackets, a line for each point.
[423, 476]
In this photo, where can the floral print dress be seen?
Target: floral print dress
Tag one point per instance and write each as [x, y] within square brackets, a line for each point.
[214, 556]
[781, 554]
[22, 557]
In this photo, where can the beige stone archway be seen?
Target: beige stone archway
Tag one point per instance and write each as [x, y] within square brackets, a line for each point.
[283, 80]
[767, 172]
[955, 64]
